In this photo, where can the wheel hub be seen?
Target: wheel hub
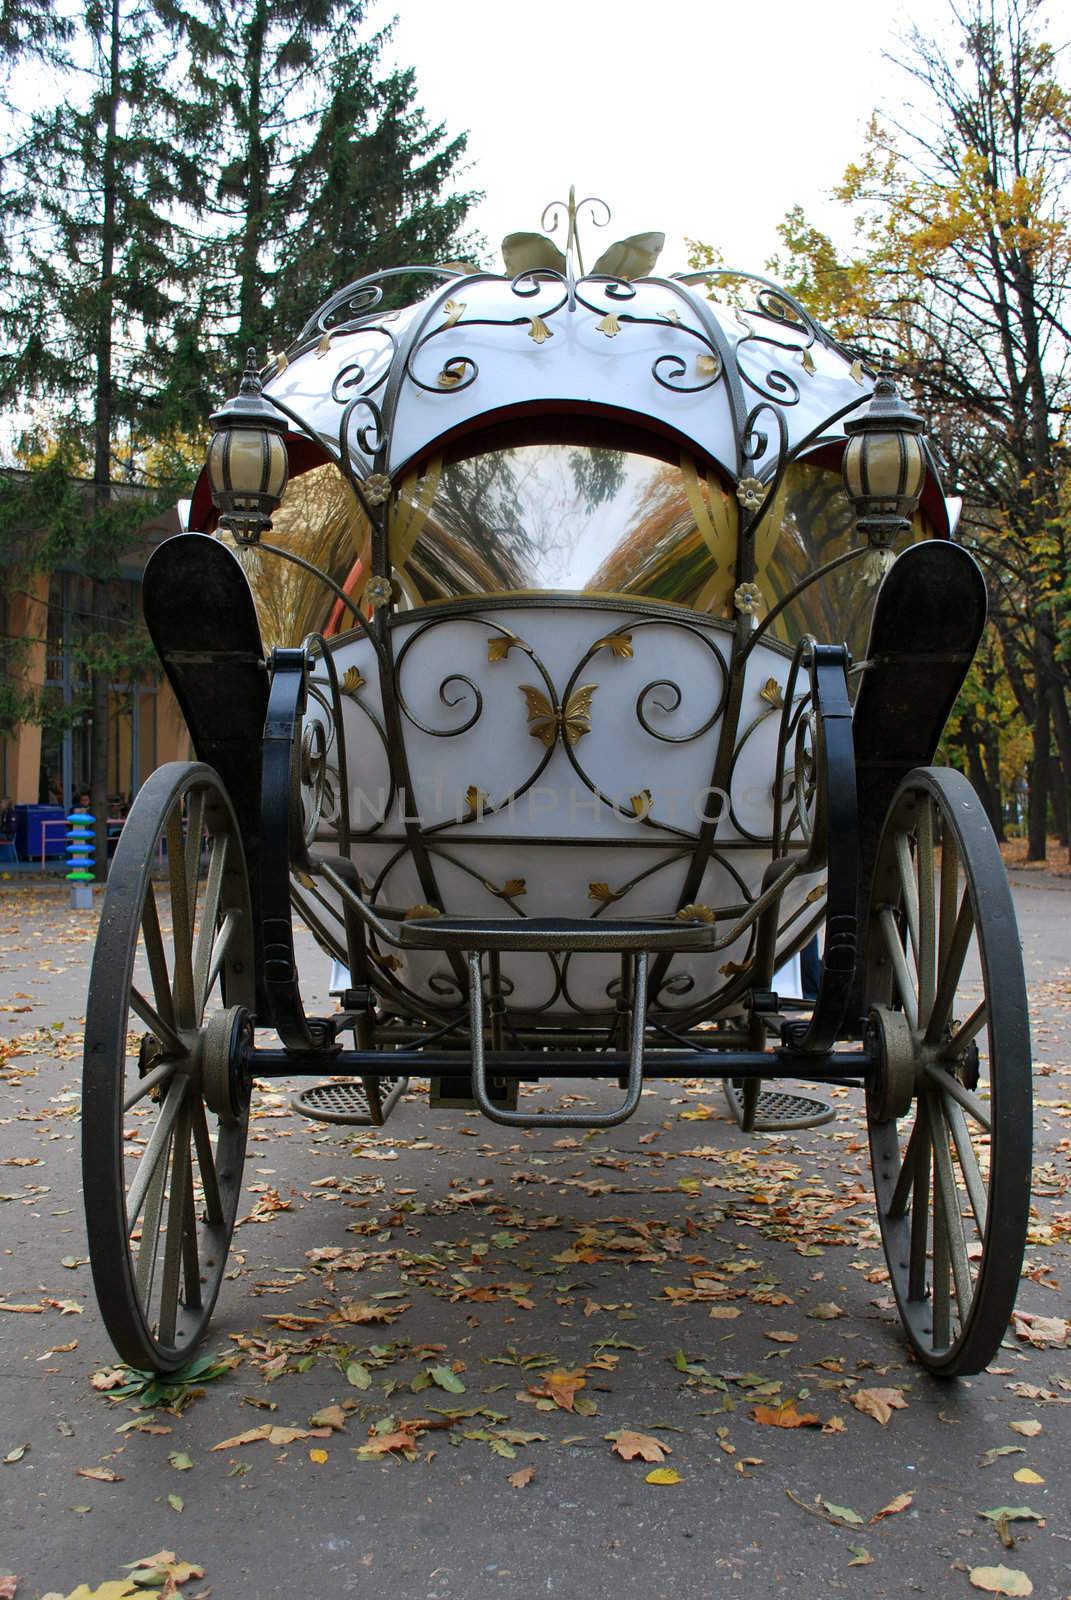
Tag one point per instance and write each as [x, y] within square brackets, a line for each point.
[897, 1064]
[225, 1083]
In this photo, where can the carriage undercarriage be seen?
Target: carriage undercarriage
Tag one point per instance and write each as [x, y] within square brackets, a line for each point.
[486, 979]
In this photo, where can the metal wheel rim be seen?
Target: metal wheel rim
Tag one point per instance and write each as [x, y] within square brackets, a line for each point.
[166, 1343]
[955, 1330]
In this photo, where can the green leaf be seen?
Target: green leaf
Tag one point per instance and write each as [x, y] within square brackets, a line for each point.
[358, 1375]
[176, 1502]
[845, 1513]
[179, 1460]
[446, 1379]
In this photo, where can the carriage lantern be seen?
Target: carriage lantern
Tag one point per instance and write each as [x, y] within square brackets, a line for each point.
[884, 466]
[246, 462]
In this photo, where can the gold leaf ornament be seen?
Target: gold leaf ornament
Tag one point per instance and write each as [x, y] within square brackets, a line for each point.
[538, 331]
[641, 803]
[475, 799]
[619, 644]
[451, 375]
[673, 317]
[512, 889]
[500, 646]
[453, 311]
[546, 721]
[609, 325]
[771, 693]
[808, 362]
[707, 366]
[696, 913]
[352, 680]
[323, 347]
[421, 913]
[603, 892]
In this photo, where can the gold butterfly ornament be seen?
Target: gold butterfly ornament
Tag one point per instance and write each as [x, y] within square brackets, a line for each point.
[546, 722]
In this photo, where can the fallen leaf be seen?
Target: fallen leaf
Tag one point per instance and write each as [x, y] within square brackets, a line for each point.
[176, 1502]
[363, 1311]
[879, 1403]
[1011, 1514]
[1029, 1429]
[319, 1456]
[29, 1310]
[826, 1312]
[179, 1460]
[1043, 1333]
[843, 1514]
[98, 1474]
[783, 1338]
[330, 1417]
[785, 1416]
[628, 1445]
[15, 1455]
[358, 1375]
[861, 1556]
[560, 1386]
[273, 1435]
[899, 1502]
[664, 1475]
[999, 1450]
[522, 1477]
[1027, 1475]
[1001, 1580]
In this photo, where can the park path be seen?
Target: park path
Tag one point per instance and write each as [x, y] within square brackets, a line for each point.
[505, 1302]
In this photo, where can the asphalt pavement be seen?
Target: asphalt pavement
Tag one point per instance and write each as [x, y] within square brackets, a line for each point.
[449, 1322]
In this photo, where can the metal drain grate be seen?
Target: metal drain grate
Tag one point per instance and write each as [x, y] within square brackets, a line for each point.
[779, 1110]
[347, 1102]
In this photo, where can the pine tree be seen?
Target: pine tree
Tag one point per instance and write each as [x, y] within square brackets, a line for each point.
[321, 171]
[97, 187]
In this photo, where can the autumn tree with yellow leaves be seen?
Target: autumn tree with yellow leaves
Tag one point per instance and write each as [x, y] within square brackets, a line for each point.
[962, 269]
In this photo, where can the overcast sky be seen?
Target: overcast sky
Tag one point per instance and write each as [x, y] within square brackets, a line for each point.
[702, 118]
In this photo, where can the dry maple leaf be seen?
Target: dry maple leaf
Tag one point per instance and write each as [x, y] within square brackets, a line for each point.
[273, 1434]
[363, 1311]
[879, 1403]
[522, 1477]
[98, 1474]
[898, 1503]
[785, 1416]
[1042, 1332]
[629, 1445]
[560, 1387]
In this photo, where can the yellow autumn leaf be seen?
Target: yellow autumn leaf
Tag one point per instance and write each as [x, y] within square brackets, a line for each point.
[662, 1475]
[1001, 1580]
[319, 1456]
[1027, 1475]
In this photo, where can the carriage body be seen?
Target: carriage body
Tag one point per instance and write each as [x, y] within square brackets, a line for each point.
[583, 680]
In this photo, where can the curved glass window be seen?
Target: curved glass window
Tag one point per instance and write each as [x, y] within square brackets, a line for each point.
[564, 518]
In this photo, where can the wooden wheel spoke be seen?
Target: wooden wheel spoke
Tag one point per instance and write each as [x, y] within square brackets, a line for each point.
[207, 931]
[916, 1144]
[151, 1081]
[950, 1211]
[195, 824]
[155, 1150]
[960, 1093]
[206, 1165]
[927, 953]
[951, 970]
[978, 1019]
[155, 1023]
[149, 1249]
[895, 950]
[909, 889]
[920, 1208]
[948, 898]
[182, 923]
[941, 1297]
[175, 1232]
[154, 954]
[973, 1181]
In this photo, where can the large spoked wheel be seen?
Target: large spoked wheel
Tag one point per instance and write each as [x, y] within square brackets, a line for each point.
[164, 1112]
[950, 1108]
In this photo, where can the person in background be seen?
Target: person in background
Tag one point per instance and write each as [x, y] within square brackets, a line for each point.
[7, 818]
[82, 802]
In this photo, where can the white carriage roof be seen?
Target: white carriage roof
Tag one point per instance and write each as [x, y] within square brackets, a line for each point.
[742, 381]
